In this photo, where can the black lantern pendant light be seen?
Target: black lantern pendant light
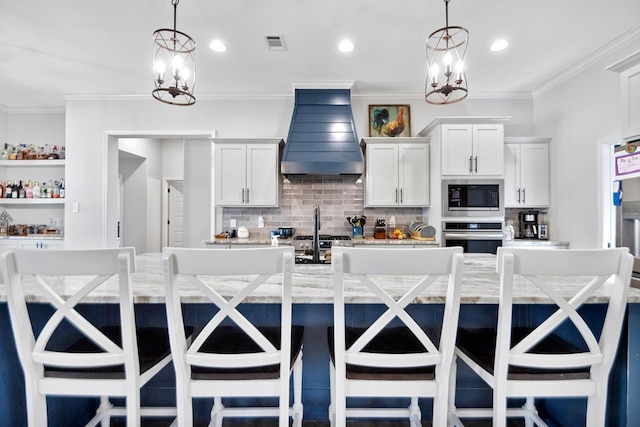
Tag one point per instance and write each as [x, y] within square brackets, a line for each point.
[174, 65]
[446, 51]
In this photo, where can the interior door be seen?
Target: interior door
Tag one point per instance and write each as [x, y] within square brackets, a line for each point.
[176, 214]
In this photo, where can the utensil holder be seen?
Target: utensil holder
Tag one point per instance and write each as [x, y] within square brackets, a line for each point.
[357, 232]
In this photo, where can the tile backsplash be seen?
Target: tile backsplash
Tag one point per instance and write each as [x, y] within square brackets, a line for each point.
[338, 198]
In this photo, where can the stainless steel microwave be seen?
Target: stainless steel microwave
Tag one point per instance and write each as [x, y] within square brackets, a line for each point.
[472, 197]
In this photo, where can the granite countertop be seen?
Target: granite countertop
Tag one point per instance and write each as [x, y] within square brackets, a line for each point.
[370, 241]
[313, 284]
[34, 237]
[355, 242]
[535, 242]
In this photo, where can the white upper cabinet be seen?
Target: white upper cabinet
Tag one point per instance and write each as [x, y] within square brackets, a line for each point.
[397, 172]
[526, 172]
[629, 69]
[247, 173]
[472, 149]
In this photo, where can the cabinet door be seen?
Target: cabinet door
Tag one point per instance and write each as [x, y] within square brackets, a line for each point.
[630, 91]
[382, 175]
[230, 174]
[413, 174]
[534, 174]
[457, 149]
[488, 149]
[262, 175]
[512, 175]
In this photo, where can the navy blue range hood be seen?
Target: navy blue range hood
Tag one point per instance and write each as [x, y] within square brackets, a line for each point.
[322, 137]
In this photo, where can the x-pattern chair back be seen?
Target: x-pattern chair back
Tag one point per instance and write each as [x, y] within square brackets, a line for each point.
[228, 309]
[395, 309]
[372, 268]
[542, 269]
[46, 272]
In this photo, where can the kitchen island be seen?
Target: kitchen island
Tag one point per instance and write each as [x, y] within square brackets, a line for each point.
[312, 297]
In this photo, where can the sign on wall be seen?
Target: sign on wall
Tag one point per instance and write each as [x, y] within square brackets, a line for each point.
[627, 162]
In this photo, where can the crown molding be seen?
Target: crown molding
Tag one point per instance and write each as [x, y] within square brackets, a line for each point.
[408, 95]
[323, 84]
[625, 63]
[588, 61]
[32, 110]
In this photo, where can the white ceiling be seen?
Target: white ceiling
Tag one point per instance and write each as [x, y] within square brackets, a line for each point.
[52, 49]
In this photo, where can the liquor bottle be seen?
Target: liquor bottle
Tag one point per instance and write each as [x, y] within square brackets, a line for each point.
[9, 190]
[1, 190]
[50, 189]
[29, 190]
[21, 191]
[62, 191]
[56, 190]
[36, 191]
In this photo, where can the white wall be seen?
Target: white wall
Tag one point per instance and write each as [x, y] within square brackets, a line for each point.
[143, 196]
[4, 128]
[133, 223]
[35, 128]
[578, 114]
[197, 191]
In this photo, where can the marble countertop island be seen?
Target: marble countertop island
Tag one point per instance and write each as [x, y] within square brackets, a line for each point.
[313, 284]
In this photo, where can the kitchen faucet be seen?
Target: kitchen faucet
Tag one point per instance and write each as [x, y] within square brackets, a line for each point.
[316, 234]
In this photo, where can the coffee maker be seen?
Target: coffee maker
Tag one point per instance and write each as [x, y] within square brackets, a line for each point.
[528, 225]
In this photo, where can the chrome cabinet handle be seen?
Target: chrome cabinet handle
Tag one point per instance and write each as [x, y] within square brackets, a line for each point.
[401, 196]
[523, 196]
[518, 195]
[476, 164]
[243, 196]
[470, 164]
[247, 195]
[396, 195]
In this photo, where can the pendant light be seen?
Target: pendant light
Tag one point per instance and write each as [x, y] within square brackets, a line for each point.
[446, 52]
[174, 66]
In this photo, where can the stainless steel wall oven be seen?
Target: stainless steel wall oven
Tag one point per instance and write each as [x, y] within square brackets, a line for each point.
[474, 237]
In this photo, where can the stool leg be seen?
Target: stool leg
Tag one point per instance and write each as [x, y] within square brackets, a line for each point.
[414, 413]
[332, 390]
[217, 412]
[297, 393]
[531, 408]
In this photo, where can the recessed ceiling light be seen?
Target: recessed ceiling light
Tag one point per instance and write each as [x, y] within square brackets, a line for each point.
[346, 46]
[218, 46]
[498, 45]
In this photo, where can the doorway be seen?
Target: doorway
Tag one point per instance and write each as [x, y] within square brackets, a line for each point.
[175, 213]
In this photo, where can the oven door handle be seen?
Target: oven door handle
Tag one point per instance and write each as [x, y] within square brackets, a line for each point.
[472, 236]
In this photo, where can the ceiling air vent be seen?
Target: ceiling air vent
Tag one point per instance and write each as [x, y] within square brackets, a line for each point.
[275, 42]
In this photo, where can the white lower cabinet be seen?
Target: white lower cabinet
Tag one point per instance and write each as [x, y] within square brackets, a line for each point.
[7, 244]
[526, 172]
[41, 244]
